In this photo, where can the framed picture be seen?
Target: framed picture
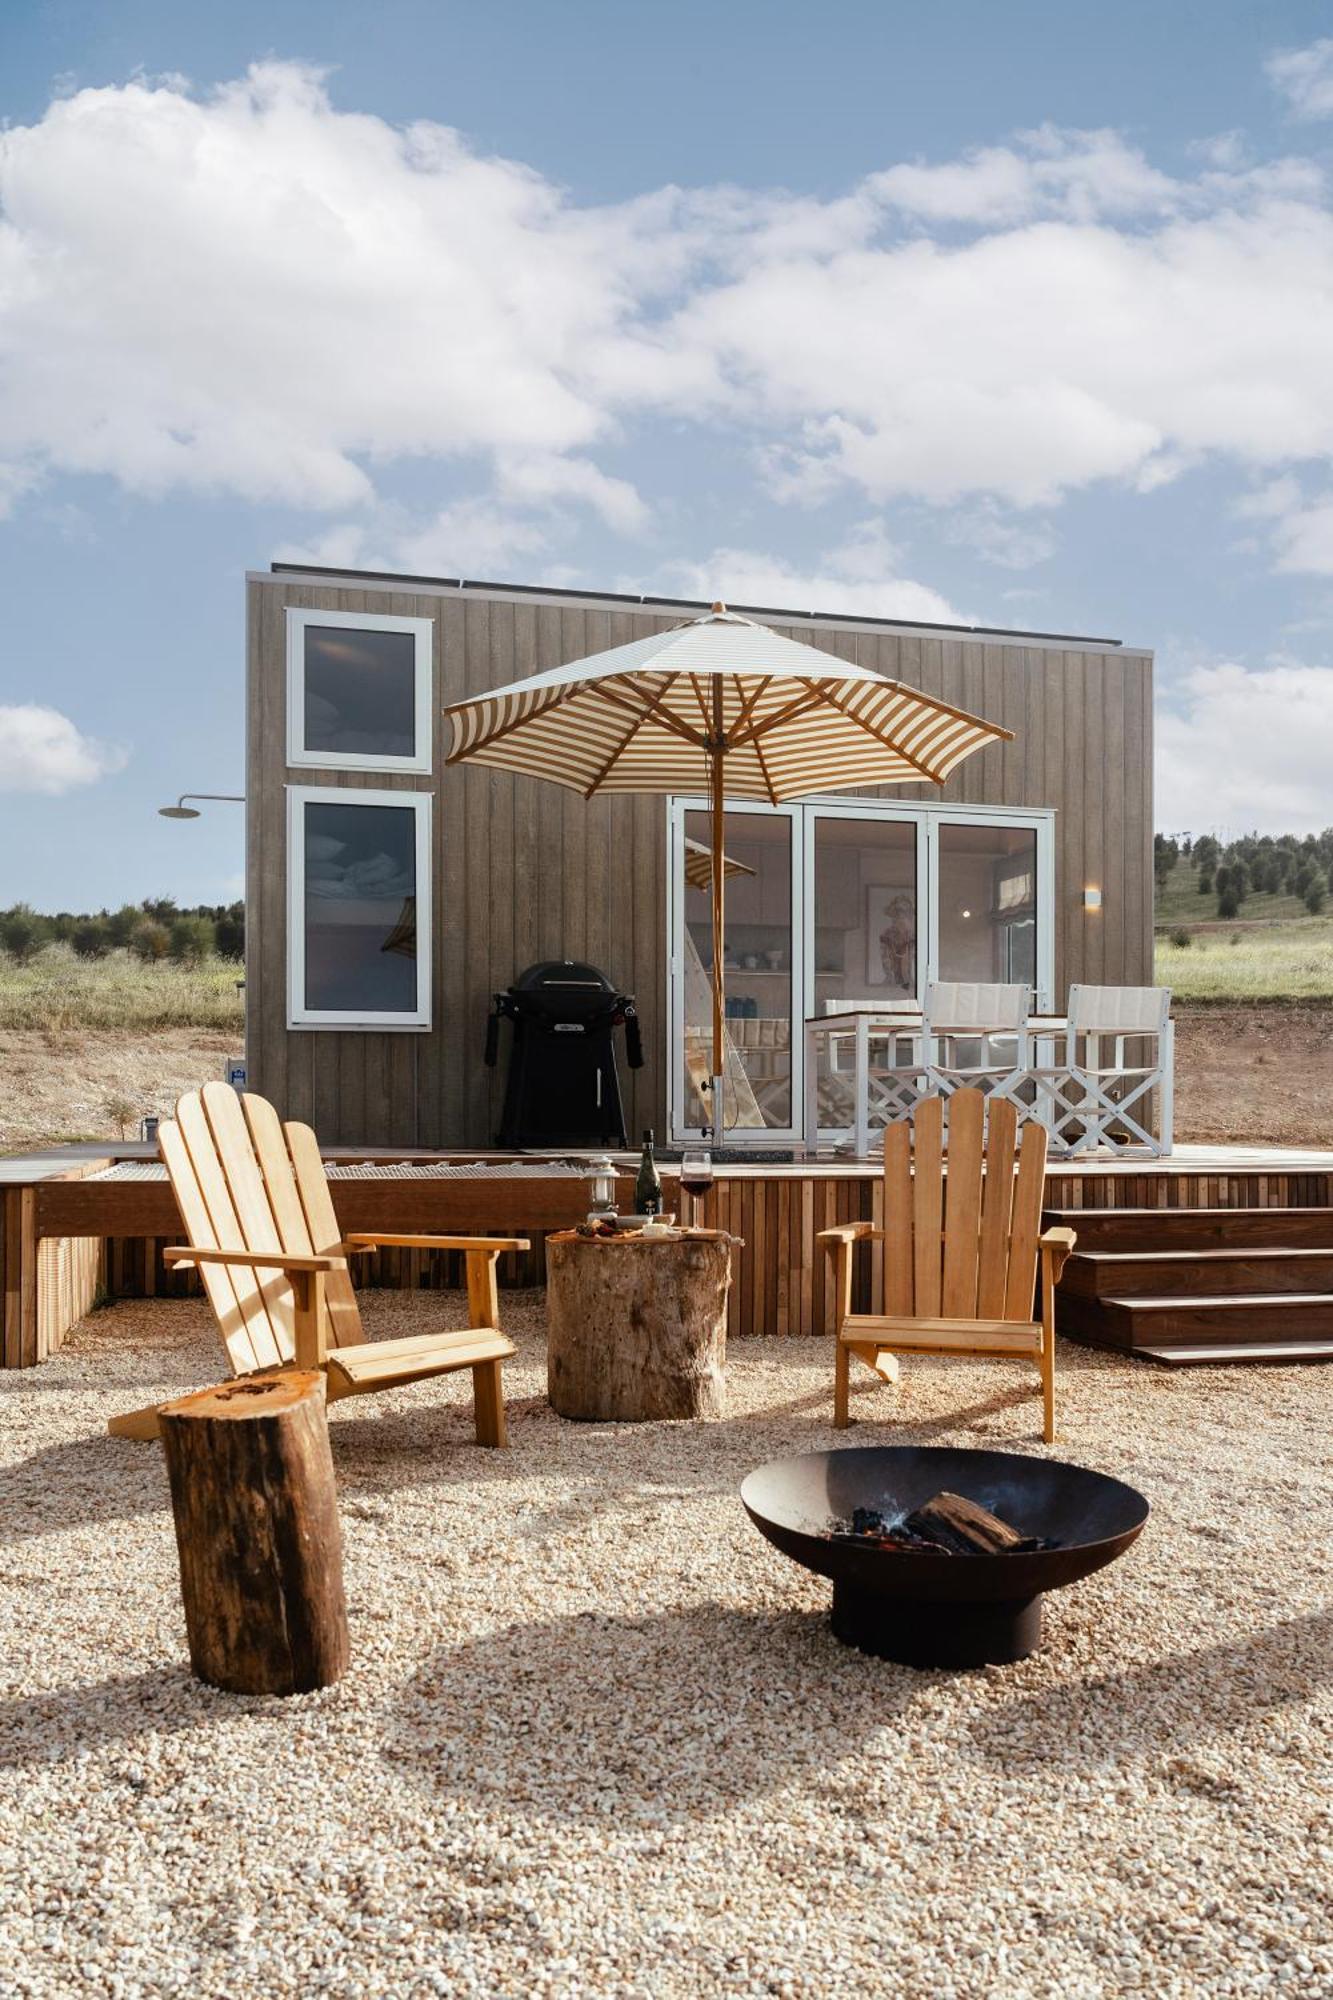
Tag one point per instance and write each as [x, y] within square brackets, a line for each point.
[891, 939]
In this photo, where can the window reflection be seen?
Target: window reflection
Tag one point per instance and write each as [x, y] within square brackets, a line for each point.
[360, 908]
[360, 692]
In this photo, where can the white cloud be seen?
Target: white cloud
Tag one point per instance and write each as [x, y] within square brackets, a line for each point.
[1305, 78]
[253, 293]
[470, 538]
[999, 538]
[1075, 175]
[42, 751]
[1303, 539]
[1244, 747]
[257, 294]
[858, 578]
[535, 481]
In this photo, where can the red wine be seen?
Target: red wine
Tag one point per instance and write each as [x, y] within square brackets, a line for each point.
[696, 1188]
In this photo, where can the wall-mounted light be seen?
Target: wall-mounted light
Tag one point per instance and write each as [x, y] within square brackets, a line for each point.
[1092, 898]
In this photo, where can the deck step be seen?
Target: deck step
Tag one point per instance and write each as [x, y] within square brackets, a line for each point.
[1099, 1274]
[1152, 1229]
[1175, 1321]
[1230, 1353]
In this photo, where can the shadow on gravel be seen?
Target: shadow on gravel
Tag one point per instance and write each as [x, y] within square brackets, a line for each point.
[1190, 1698]
[645, 1721]
[50, 1728]
[70, 1485]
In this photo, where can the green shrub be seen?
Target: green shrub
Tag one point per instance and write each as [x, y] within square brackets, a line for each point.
[192, 939]
[1181, 938]
[151, 940]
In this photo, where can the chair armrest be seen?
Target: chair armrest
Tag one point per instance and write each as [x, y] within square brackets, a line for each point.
[370, 1239]
[849, 1232]
[1055, 1246]
[251, 1260]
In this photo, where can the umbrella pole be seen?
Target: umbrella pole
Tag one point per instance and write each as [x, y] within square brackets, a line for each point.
[719, 901]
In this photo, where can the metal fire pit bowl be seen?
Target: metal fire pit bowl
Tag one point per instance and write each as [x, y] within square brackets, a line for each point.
[929, 1610]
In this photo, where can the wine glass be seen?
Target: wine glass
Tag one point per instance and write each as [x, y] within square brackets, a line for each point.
[696, 1175]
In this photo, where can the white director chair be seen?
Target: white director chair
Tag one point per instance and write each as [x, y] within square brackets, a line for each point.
[1119, 1053]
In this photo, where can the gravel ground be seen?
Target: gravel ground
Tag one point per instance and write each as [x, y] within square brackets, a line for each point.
[597, 1738]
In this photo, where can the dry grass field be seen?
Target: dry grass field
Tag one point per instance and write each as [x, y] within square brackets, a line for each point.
[88, 1047]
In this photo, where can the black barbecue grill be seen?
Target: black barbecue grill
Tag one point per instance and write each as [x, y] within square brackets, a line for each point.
[563, 1087]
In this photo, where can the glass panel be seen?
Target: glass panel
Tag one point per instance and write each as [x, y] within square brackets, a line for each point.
[360, 692]
[988, 903]
[864, 929]
[360, 908]
[757, 966]
[865, 912]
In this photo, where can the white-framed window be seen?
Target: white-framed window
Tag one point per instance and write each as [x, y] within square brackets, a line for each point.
[358, 691]
[358, 908]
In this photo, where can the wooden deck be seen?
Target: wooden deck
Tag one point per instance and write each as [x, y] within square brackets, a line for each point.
[67, 1232]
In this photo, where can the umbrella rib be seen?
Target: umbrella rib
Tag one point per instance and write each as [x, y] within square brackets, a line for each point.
[763, 770]
[703, 705]
[930, 776]
[750, 703]
[636, 724]
[800, 705]
[655, 708]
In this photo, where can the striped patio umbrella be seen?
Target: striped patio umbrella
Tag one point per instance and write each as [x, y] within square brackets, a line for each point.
[724, 705]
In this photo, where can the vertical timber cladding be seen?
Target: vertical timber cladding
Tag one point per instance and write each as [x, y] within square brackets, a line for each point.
[525, 870]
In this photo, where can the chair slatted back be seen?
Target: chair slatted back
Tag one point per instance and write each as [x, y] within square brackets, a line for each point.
[243, 1181]
[962, 1244]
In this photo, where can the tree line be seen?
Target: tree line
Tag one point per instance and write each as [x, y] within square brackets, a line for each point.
[1285, 864]
[155, 929]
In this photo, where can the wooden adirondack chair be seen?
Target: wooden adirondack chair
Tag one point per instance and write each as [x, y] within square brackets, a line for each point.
[960, 1248]
[255, 1201]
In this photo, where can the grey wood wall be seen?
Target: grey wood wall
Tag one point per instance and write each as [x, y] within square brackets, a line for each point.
[525, 870]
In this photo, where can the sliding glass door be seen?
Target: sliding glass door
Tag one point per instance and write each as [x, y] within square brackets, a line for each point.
[840, 906]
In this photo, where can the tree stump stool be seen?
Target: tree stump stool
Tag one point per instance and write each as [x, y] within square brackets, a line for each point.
[257, 1529]
[637, 1325]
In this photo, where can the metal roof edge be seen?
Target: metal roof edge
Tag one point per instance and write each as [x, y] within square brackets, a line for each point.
[557, 594]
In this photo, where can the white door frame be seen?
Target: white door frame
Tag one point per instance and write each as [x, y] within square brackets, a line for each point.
[804, 815]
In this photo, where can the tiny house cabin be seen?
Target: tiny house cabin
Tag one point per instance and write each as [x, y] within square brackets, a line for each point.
[389, 896]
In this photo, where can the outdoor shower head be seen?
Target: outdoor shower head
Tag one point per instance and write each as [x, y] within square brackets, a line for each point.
[179, 812]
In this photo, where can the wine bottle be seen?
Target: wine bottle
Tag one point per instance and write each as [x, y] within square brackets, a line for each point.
[648, 1187]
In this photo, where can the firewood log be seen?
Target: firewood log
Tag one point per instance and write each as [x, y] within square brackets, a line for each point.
[952, 1522]
[257, 1531]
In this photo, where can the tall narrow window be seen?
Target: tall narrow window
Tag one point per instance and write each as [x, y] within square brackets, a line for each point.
[359, 917]
[358, 691]
[988, 903]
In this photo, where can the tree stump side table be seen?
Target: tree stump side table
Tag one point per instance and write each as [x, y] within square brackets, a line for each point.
[637, 1325]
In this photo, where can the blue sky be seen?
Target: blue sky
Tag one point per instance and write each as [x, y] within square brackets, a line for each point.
[1019, 314]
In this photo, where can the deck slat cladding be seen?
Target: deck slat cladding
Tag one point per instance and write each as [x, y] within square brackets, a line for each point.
[70, 1225]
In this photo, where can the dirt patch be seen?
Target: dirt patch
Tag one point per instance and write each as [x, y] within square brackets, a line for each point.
[1244, 1073]
[1254, 1074]
[62, 1083]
